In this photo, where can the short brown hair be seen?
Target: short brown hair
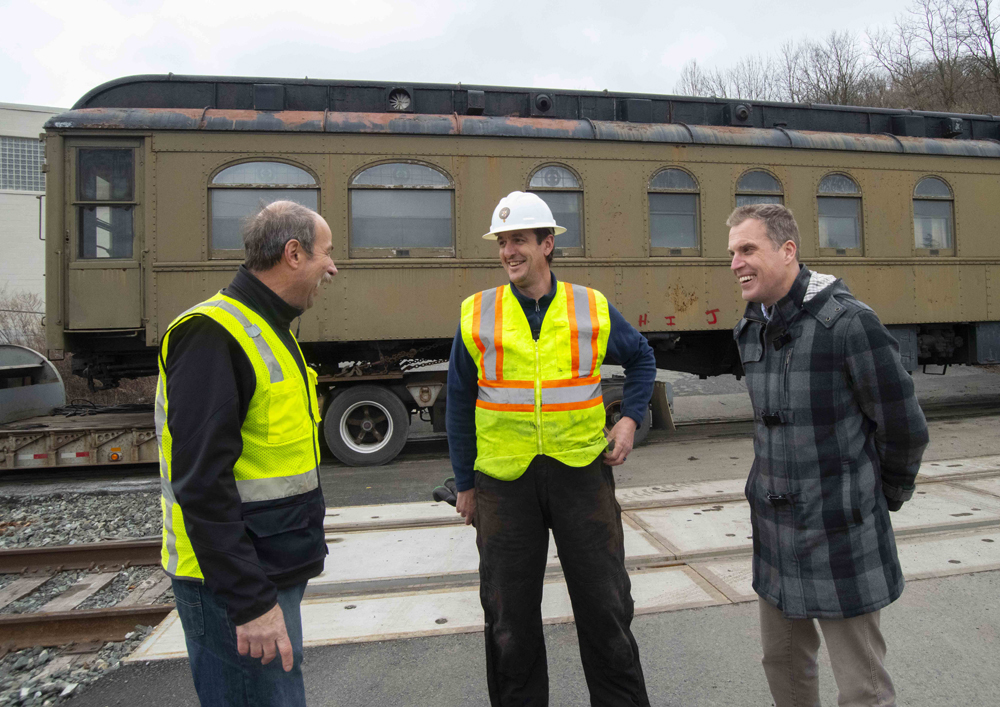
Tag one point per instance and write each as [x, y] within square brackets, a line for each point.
[779, 223]
[541, 234]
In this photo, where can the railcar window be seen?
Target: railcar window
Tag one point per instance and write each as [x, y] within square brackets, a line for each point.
[673, 213]
[105, 202]
[839, 208]
[401, 209]
[241, 190]
[560, 189]
[758, 187]
[933, 216]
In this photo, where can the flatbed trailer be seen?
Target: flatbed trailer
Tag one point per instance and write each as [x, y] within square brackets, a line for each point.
[81, 440]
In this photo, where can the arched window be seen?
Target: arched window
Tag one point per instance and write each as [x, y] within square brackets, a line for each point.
[933, 217]
[560, 189]
[839, 206]
[241, 190]
[401, 209]
[758, 187]
[673, 213]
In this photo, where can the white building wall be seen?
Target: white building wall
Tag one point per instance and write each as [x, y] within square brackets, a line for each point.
[22, 254]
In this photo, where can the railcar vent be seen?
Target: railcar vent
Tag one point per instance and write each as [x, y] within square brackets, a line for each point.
[400, 101]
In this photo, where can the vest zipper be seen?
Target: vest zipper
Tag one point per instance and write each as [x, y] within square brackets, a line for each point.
[538, 395]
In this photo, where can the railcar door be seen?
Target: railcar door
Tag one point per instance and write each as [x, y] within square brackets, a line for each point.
[104, 233]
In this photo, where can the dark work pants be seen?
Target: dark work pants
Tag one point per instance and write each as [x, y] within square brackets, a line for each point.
[512, 522]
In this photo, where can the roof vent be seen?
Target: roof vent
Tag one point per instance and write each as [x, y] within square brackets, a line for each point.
[953, 127]
[400, 100]
[541, 103]
[476, 104]
[908, 125]
[738, 113]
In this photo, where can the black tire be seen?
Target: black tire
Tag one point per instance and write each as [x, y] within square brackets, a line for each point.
[366, 426]
[613, 395]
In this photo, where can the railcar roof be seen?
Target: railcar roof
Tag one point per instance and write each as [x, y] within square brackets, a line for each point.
[174, 102]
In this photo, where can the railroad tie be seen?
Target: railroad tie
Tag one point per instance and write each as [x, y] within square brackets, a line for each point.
[21, 587]
[148, 590]
[79, 592]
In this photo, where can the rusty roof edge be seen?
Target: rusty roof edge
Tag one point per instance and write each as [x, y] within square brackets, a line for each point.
[488, 126]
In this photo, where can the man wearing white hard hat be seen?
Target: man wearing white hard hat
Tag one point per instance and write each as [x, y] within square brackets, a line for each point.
[526, 435]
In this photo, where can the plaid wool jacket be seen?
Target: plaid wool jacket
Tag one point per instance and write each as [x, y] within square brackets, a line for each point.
[838, 429]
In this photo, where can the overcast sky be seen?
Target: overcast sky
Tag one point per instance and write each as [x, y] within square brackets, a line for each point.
[55, 51]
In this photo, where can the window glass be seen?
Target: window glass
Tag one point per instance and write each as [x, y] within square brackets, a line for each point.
[673, 179]
[415, 212]
[932, 223]
[21, 161]
[758, 181]
[264, 173]
[673, 220]
[382, 218]
[838, 184]
[932, 186]
[105, 175]
[401, 174]
[105, 232]
[839, 222]
[230, 207]
[553, 177]
[748, 199]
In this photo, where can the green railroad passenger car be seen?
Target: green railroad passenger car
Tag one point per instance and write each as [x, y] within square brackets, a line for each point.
[150, 176]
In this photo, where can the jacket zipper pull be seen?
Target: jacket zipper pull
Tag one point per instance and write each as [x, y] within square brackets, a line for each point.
[537, 308]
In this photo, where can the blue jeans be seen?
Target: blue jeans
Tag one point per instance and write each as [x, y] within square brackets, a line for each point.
[223, 677]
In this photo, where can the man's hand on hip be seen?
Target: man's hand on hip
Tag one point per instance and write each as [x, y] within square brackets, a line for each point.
[620, 440]
[465, 505]
[266, 636]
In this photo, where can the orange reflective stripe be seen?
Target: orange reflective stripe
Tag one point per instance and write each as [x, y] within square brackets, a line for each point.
[504, 407]
[570, 382]
[574, 345]
[498, 333]
[507, 384]
[562, 407]
[477, 306]
[595, 326]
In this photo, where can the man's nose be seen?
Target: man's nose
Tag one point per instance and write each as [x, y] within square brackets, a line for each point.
[736, 263]
[332, 269]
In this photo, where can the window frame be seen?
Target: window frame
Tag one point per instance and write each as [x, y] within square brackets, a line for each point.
[575, 251]
[934, 252]
[361, 252]
[73, 203]
[859, 196]
[737, 193]
[660, 251]
[240, 254]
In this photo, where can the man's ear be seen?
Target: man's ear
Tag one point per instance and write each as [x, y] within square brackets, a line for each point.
[791, 251]
[293, 252]
[549, 244]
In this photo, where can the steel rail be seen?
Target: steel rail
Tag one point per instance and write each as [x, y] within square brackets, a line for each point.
[78, 626]
[113, 553]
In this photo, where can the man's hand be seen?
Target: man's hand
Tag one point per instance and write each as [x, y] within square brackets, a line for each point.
[465, 506]
[622, 435]
[261, 636]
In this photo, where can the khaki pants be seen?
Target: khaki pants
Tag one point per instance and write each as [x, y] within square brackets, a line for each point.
[857, 652]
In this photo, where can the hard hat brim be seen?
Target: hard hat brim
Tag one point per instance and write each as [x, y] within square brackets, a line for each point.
[492, 235]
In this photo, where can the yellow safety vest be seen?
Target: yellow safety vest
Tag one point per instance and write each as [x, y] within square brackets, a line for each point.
[537, 397]
[280, 455]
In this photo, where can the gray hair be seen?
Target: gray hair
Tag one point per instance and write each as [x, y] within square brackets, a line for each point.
[266, 233]
[779, 223]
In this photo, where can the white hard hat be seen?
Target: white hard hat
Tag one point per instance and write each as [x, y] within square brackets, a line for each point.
[520, 211]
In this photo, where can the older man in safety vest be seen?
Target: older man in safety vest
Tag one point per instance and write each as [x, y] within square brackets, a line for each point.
[236, 417]
[526, 433]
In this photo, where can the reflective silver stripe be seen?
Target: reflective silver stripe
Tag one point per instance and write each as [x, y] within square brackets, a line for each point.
[168, 525]
[584, 329]
[160, 420]
[507, 396]
[168, 491]
[571, 394]
[278, 487]
[253, 331]
[487, 324]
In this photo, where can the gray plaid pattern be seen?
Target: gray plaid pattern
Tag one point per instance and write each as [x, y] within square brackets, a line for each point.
[836, 420]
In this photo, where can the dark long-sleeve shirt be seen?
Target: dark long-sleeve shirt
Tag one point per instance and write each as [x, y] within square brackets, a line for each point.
[210, 382]
[626, 347]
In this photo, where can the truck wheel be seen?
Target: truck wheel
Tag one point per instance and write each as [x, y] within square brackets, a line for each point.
[366, 426]
[613, 413]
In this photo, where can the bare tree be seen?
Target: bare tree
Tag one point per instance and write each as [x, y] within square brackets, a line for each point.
[978, 33]
[836, 70]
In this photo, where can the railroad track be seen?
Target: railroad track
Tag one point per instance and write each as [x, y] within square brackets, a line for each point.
[59, 621]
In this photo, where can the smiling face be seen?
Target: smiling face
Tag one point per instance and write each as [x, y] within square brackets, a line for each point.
[523, 257]
[765, 272]
[319, 269]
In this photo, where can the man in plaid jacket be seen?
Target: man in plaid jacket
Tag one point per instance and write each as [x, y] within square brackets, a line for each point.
[837, 445]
